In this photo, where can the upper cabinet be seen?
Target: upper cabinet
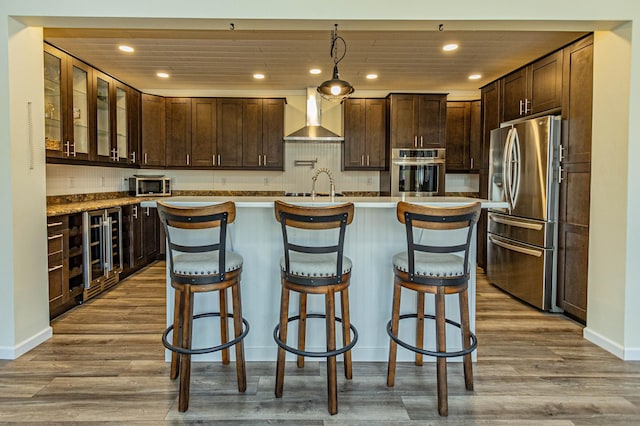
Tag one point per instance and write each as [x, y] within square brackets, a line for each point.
[153, 140]
[463, 136]
[534, 88]
[178, 149]
[67, 94]
[89, 116]
[365, 134]
[203, 132]
[417, 121]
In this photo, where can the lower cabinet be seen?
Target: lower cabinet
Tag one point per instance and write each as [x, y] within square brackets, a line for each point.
[140, 237]
[65, 262]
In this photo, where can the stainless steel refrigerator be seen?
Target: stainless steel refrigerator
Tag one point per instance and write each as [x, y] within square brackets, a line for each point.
[524, 170]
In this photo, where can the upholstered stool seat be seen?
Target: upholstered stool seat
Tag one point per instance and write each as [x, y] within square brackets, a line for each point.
[435, 262]
[200, 263]
[315, 266]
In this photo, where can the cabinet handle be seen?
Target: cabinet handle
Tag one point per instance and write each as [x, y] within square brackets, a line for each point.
[264, 160]
[145, 158]
[415, 141]
[187, 159]
[520, 107]
[219, 163]
[362, 160]
[53, 237]
[135, 212]
[421, 142]
[259, 160]
[133, 157]
[147, 211]
[561, 159]
[52, 224]
[67, 148]
[213, 160]
[55, 267]
[527, 106]
[472, 162]
[560, 171]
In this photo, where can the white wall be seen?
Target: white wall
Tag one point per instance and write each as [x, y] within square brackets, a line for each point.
[25, 282]
[495, 14]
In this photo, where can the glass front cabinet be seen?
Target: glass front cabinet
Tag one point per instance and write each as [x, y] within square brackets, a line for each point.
[67, 112]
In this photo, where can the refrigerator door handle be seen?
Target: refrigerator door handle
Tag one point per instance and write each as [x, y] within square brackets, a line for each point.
[523, 250]
[515, 164]
[506, 164]
[511, 222]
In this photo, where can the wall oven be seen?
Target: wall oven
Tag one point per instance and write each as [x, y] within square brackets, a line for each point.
[417, 172]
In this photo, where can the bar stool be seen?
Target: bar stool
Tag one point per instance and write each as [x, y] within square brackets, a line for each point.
[199, 262]
[439, 268]
[321, 268]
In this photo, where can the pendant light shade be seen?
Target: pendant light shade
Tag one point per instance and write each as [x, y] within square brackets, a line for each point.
[336, 90]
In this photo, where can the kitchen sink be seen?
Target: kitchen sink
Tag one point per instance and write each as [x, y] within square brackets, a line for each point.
[308, 194]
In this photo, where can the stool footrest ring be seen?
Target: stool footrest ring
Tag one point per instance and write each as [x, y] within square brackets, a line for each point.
[474, 340]
[327, 354]
[197, 351]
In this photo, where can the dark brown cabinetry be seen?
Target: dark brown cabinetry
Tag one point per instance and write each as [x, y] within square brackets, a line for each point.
[491, 117]
[65, 255]
[464, 136]
[229, 132]
[573, 229]
[203, 132]
[534, 88]
[153, 131]
[365, 134]
[134, 118]
[417, 121]
[272, 145]
[68, 110]
[140, 238]
[178, 132]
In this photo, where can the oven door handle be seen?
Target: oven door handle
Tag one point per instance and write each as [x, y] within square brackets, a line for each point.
[414, 162]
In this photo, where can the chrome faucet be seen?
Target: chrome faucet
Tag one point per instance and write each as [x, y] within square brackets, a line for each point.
[315, 178]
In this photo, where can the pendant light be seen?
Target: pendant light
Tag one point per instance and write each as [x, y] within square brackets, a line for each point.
[336, 90]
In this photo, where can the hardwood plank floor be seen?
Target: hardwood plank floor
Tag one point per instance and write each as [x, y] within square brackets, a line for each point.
[105, 364]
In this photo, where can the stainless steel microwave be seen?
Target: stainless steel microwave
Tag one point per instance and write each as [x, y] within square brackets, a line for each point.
[147, 186]
[417, 172]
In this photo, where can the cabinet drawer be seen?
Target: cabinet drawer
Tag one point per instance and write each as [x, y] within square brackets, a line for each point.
[57, 223]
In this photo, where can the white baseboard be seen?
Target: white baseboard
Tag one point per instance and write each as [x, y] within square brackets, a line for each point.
[25, 346]
[604, 342]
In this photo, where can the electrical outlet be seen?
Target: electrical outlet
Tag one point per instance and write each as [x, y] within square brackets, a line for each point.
[223, 181]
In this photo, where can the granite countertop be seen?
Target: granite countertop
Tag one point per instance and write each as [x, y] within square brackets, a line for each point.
[82, 206]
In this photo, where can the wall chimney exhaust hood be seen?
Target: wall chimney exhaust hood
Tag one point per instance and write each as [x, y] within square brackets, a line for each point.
[313, 131]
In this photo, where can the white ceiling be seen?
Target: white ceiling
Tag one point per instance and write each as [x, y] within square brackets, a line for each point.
[226, 60]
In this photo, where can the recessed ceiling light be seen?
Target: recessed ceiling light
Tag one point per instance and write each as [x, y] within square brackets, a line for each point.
[475, 76]
[125, 48]
[372, 76]
[258, 76]
[449, 47]
[315, 71]
[162, 75]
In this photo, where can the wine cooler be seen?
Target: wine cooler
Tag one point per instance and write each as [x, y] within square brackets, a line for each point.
[103, 250]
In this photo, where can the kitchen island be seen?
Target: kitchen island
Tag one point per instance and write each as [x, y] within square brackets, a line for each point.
[371, 240]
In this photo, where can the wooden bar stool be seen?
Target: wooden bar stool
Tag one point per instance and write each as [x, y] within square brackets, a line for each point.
[321, 268]
[199, 262]
[439, 268]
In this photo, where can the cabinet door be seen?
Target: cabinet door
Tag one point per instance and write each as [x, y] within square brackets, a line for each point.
[252, 133]
[80, 113]
[134, 127]
[55, 103]
[178, 149]
[153, 131]
[151, 233]
[475, 135]
[514, 94]
[458, 129]
[122, 123]
[58, 263]
[432, 121]
[203, 132]
[491, 119]
[403, 124]
[354, 147]
[103, 101]
[376, 133]
[573, 223]
[545, 83]
[229, 132]
[273, 133]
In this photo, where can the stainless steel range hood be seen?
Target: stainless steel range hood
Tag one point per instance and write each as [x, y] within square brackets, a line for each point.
[313, 131]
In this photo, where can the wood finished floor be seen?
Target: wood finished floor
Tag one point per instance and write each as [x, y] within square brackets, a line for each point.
[105, 364]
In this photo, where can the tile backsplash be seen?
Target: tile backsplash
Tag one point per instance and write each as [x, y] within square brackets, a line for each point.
[73, 179]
